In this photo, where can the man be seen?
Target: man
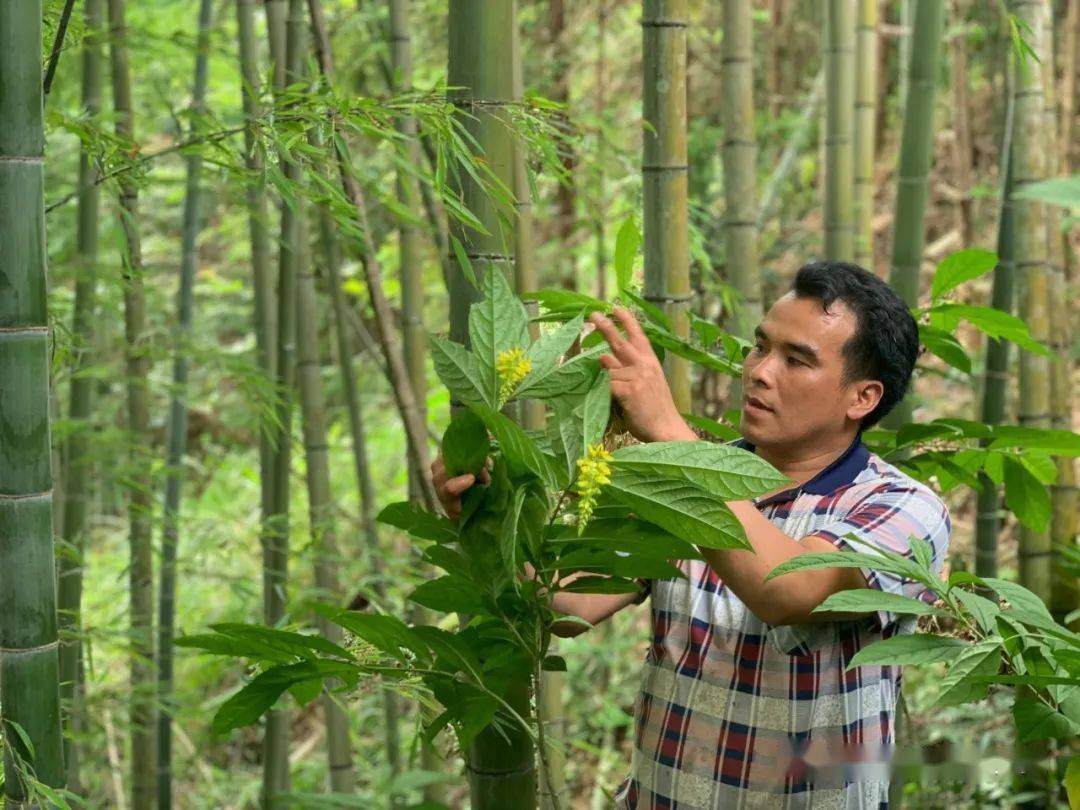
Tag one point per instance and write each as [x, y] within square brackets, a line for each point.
[746, 699]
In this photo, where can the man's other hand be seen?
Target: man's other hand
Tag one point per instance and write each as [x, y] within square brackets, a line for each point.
[638, 382]
[450, 490]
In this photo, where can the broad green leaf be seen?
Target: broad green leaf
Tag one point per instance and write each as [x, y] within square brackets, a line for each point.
[508, 534]
[962, 266]
[304, 692]
[1041, 466]
[1037, 721]
[573, 376]
[385, 632]
[452, 650]
[627, 241]
[497, 322]
[917, 648]
[418, 522]
[1062, 191]
[605, 561]
[1019, 597]
[957, 687]
[919, 432]
[870, 600]
[982, 609]
[566, 303]
[990, 321]
[922, 552]
[601, 585]
[1072, 782]
[450, 594]
[216, 644]
[250, 703]
[627, 535]
[1055, 442]
[465, 444]
[944, 345]
[564, 433]
[651, 311]
[520, 452]
[722, 470]
[460, 372]
[548, 349]
[1026, 496]
[712, 427]
[595, 411]
[847, 559]
[298, 644]
[676, 345]
[553, 663]
[680, 507]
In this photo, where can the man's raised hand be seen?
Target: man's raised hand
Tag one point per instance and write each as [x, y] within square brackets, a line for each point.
[637, 381]
[450, 490]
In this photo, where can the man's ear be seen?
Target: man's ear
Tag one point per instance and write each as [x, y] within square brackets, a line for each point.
[866, 394]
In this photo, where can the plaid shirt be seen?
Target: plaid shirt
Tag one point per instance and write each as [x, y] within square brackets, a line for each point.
[734, 713]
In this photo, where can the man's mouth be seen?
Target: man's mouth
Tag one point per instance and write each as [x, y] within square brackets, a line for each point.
[756, 404]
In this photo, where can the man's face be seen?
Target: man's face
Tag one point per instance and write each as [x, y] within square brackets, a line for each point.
[795, 370]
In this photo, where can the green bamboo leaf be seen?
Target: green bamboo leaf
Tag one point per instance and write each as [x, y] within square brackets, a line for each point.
[460, 372]
[870, 600]
[918, 648]
[465, 444]
[418, 522]
[680, 507]
[961, 266]
[1026, 496]
[723, 470]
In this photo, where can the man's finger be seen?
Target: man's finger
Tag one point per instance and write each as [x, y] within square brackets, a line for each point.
[624, 374]
[619, 347]
[457, 485]
[634, 333]
[610, 362]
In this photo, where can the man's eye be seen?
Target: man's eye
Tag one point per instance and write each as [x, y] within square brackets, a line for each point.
[793, 362]
[757, 347]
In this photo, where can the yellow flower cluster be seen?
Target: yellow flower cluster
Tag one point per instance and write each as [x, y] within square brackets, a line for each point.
[512, 366]
[593, 472]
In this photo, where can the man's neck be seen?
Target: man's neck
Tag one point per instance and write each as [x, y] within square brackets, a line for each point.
[802, 463]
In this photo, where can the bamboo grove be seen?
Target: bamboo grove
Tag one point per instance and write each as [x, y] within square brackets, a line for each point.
[262, 262]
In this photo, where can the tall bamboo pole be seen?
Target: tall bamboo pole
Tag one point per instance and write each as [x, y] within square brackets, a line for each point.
[501, 768]
[566, 193]
[140, 504]
[78, 467]
[285, 64]
[600, 206]
[177, 435]
[740, 171]
[839, 129]
[29, 659]
[961, 117]
[664, 168]
[321, 504]
[996, 373]
[916, 146]
[1029, 154]
[1070, 63]
[866, 60]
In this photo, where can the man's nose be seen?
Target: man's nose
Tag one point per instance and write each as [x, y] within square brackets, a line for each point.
[761, 372]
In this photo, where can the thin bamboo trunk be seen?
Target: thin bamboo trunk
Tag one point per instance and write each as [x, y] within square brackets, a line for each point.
[140, 504]
[839, 129]
[400, 385]
[78, 468]
[1070, 64]
[740, 172]
[566, 193]
[600, 206]
[178, 423]
[321, 504]
[482, 37]
[664, 168]
[1029, 153]
[792, 149]
[905, 44]
[961, 115]
[916, 146]
[866, 61]
[996, 373]
[285, 65]
[29, 658]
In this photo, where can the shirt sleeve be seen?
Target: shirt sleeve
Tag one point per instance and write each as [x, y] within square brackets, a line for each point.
[887, 519]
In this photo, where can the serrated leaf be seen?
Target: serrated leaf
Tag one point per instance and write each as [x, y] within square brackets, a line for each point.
[545, 352]
[497, 322]
[385, 632]
[959, 267]
[957, 687]
[298, 644]
[418, 522]
[1037, 721]
[520, 452]
[679, 507]
[216, 644]
[870, 600]
[460, 372]
[724, 471]
[465, 445]
[847, 559]
[250, 703]
[1026, 496]
[595, 412]
[982, 609]
[918, 648]
[573, 376]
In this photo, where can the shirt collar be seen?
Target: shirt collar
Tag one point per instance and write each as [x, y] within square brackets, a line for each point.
[840, 473]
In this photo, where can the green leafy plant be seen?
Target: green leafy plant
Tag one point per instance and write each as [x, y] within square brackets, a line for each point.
[562, 510]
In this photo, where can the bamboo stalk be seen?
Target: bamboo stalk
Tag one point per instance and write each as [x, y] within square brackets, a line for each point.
[78, 469]
[740, 172]
[839, 129]
[664, 169]
[961, 115]
[140, 505]
[916, 145]
[792, 149]
[866, 62]
[404, 396]
[600, 206]
[285, 63]
[996, 373]
[1029, 154]
[566, 191]
[29, 659]
[177, 434]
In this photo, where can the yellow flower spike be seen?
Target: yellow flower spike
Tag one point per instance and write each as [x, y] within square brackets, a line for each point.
[511, 366]
[593, 473]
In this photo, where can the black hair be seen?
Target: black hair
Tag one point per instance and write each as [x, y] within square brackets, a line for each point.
[886, 340]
